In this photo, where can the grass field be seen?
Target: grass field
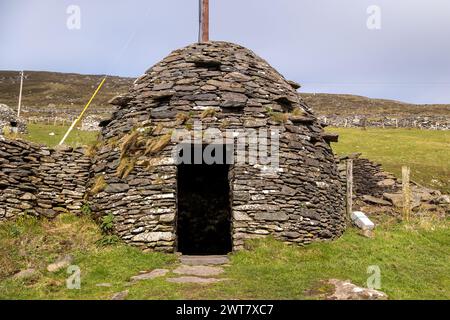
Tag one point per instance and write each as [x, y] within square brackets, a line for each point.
[268, 270]
[427, 152]
[40, 133]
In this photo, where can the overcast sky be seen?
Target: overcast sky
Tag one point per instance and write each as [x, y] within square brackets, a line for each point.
[323, 44]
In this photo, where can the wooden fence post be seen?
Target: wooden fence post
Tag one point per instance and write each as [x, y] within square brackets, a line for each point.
[349, 198]
[406, 192]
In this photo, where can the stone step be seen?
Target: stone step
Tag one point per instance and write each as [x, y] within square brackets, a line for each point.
[204, 260]
[191, 279]
[198, 271]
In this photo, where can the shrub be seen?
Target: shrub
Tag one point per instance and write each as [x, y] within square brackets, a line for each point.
[107, 224]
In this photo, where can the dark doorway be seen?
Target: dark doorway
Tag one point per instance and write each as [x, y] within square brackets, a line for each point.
[204, 214]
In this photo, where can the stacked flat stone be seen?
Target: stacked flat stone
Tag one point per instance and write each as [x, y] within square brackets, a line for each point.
[301, 202]
[369, 178]
[40, 181]
[431, 122]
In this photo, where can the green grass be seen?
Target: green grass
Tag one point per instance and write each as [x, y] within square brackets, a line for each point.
[427, 152]
[40, 133]
[268, 270]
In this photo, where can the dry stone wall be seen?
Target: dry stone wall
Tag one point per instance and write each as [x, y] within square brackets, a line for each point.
[41, 181]
[360, 121]
[10, 121]
[369, 178]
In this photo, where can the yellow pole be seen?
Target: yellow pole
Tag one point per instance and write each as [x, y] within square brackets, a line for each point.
[82, 112]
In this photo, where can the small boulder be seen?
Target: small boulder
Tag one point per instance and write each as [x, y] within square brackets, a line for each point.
[345, 290]
[120, 295]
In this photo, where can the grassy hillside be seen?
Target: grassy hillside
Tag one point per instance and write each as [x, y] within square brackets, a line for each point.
[52, 91]
[426, 152]
[346, 104]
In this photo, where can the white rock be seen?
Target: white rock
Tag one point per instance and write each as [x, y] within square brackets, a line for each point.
[362, 221]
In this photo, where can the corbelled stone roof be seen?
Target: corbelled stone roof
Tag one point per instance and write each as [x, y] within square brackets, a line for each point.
[220, 75]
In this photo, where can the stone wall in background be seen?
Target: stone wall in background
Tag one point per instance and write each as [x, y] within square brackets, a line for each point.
[368, 177]
[41, 181]
[10, 121]
[373, 187]
[361, 121]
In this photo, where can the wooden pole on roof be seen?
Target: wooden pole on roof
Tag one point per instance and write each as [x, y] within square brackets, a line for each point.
[204, 21]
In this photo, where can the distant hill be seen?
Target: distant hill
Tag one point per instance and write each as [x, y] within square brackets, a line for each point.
[53, 93]
[346, 104]
[49, 92]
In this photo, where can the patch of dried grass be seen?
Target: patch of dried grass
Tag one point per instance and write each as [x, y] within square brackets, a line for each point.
[32, 243]
[99, 185]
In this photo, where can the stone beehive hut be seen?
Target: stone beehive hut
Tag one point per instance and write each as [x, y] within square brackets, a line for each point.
[212, 208]
[9, 121]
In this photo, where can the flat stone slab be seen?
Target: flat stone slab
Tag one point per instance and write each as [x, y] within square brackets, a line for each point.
[204, 260]
[191, 279]
[104, 285]
[120, 295]
[25, 274]
[60, 264]
[150, 275]
[345, 290]
[199, 271]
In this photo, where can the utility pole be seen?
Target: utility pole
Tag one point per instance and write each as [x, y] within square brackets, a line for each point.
[204, 21]
[20, 94]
